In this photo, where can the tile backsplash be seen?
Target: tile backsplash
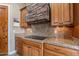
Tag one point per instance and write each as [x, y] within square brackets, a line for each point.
[43, 29]
[47, 30]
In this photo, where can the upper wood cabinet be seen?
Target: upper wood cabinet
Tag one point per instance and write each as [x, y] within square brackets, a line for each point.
[61, 14]
[23, 14]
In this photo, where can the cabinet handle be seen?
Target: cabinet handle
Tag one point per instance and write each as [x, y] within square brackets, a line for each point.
[29, 47]
[56, 49]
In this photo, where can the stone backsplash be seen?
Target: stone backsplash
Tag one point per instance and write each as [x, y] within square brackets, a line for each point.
[45, 29]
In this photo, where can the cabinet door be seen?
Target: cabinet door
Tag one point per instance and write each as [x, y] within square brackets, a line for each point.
[61, 14]
[56, 13]
[67, 13]
[19, 45]
[51, 53]
[36, 51]
[23, 15]
[3, 29]
[26, 50]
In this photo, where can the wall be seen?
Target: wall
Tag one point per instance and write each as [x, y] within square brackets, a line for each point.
[15, 13]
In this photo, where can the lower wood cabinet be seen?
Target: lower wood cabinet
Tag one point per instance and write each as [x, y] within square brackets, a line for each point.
[26, 50]
[52, 50]
[19, 45]
[26, 47]
[51, 53]
[31, 50]
[36, 51]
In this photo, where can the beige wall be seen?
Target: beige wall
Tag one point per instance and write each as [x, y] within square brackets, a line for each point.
[15, 12]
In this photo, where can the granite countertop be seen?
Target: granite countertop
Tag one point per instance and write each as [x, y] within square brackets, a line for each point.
[72, 43]
[23, 36]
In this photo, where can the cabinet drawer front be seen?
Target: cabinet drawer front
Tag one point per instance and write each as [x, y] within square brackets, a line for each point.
[18, 42]
[62, 50]
[19, 46]
[36, 51]
[52, 53]
[32, 43]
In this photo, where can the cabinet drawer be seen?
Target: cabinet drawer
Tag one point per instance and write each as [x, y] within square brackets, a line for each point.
[18, 42]
[32, 43]
[62, 50]
[19, 46]
[52, 53]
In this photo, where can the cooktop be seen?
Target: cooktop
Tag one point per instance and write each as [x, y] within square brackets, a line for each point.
[36, 37]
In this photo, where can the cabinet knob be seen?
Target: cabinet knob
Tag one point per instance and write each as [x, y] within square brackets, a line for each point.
[56, 49]
[29, 46]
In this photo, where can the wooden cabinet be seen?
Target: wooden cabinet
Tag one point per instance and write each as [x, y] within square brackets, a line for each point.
[26, 50]
[27, 47]
[23, 14]
[31, 49]
[61, 14]
[19, 45]
[36, 51]
[3, 29]
[51, 53]
[56, 50]
[67, 13]
[76, 20]
[55, 19]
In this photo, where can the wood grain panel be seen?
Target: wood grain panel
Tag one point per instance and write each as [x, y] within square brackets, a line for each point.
[61, 50]
[32, 43]
[4, 29]
[61, 14]
[27, 47]
[26, 50]
[52, 53]
[76, 20]
[23, 13]
[54, 13]
[36, 51]
[19, 45]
